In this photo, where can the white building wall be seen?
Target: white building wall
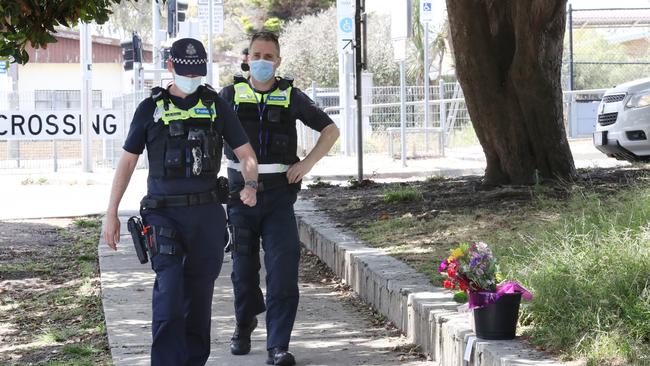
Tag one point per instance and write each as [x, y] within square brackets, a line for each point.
[107, 77]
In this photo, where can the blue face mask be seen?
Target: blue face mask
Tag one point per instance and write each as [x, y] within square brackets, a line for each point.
[186, 84]
[262, 70]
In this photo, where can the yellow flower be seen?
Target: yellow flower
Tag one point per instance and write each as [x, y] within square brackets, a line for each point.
[457, 253]
[499, 277]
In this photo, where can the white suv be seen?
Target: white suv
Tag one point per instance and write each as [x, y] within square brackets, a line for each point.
[624, 122]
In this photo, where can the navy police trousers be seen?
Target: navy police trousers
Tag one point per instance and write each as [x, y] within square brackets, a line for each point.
[182, 292]
[273, 221]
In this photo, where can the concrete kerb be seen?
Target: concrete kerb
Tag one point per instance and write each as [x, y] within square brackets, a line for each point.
[426, 314]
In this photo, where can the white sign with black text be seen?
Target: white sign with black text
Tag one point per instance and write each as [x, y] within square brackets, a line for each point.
[57, 125]
[204, 16]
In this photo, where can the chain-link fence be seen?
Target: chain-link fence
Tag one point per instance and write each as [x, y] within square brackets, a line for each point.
[606, 47]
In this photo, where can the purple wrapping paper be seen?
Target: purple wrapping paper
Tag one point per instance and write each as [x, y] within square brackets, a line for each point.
[481, 299]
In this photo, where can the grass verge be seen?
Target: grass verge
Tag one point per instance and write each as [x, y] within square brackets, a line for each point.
[588, 264]
[586, 259]
[51, 310]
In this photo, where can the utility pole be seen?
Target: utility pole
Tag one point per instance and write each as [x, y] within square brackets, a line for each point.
[155, 28]
[210, 20]
[85, 45]
[360, 64]
[426, 85]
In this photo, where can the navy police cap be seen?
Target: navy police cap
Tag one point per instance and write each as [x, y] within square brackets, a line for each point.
[189, 57]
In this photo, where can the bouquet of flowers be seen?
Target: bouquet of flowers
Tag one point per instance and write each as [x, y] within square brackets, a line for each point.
[473, 270]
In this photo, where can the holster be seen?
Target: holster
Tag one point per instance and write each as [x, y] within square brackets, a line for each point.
[223, 190]
[243, 241]
[136, 228]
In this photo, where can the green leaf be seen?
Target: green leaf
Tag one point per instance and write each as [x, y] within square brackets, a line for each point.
[33, 22]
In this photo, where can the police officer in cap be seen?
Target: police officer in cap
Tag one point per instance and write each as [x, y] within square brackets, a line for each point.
[268, 108]
[244, 60]
[183, 128]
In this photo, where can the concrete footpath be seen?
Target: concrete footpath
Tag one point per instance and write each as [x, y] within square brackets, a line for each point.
[327, 332]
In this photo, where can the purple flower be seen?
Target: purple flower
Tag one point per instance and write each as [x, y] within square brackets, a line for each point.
[474, 261]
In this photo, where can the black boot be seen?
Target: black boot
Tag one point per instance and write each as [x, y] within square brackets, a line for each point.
[280, 356]
[240, 343]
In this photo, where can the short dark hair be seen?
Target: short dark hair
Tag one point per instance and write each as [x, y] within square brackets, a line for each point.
[266, 36]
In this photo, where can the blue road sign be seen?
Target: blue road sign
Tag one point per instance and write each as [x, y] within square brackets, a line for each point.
[3, 67]
[426, 6]
[347, 25]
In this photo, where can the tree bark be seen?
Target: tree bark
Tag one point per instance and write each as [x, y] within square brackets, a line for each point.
[508, 60]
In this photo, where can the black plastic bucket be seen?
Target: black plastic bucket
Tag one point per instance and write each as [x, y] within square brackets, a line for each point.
[498, 320]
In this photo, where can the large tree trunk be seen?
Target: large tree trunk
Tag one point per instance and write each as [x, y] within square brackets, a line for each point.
[508, 60]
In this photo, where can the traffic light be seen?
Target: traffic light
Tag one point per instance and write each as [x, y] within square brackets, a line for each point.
[131, 52]
[165, 54]
[181, 10]
[176, 12]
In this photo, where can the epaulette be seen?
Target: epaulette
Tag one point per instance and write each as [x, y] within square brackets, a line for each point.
[207, 94]
[209, 88]
[239, 79]
[284, 83]
[158, 93]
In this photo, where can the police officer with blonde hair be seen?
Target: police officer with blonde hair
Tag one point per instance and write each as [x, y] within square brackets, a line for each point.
[268, 108]
[183, 128]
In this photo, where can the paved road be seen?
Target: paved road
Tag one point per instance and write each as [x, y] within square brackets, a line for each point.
[73, 194]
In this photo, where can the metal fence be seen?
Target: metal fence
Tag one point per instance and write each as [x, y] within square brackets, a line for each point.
[605, 47]
[449, 124]
[382, 120]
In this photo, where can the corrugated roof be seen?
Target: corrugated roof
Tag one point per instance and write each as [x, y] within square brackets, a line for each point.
[600, 18]
[66, 50]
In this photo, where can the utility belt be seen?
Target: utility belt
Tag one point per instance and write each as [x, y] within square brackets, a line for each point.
[219, 195]
[146, 240]
[264, 183]
[269, 177]
[261, 168]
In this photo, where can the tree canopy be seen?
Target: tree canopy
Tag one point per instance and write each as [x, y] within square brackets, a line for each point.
[131, 16]
[33, 22]
[319, 61]
[293, 9]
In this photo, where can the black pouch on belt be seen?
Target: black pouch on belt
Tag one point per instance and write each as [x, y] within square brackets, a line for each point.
[163, 240]
[136, 228]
